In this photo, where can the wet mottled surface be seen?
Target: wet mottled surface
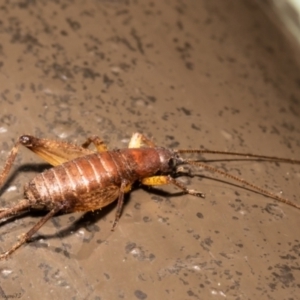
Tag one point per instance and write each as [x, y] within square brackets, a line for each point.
[190, 74]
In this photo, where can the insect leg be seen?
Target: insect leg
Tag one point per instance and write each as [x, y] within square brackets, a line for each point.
[26, 236]
[125, 187]
[53, 152]
[138, 139]
[99, 144]
[9, 162]
[162, 180]
[21, 206]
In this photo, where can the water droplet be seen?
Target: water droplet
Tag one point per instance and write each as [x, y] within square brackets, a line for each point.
[125, 141]
[12, 188]
[115, 70]
[226, 135]
[196, 268]
[3, 129]
[64, 130]
[6, 272]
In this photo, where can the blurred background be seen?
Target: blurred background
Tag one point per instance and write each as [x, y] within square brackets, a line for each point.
[286, 13]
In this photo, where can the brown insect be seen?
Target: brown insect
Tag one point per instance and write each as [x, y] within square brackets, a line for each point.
[84, 180]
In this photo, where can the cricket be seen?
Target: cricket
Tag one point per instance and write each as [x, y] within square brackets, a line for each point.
[84, 180]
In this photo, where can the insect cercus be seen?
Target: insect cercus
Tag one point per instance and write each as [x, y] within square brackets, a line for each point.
[85, 180]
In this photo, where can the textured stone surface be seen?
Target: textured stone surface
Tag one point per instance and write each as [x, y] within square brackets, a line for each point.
[190, 74]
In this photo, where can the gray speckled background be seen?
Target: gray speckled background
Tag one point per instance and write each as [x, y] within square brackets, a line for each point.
[216, 74]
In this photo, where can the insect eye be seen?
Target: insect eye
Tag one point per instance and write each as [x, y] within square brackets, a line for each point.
[172, 163]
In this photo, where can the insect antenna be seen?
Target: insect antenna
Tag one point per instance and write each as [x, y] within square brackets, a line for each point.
[247, 155]
[238, 179]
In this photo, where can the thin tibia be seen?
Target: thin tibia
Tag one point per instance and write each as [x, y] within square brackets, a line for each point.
[9, 163]
[172, 180]
[26, 236]
[119, 205]
[21, 206]
[119, 210]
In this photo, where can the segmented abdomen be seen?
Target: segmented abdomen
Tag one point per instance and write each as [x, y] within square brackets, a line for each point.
[86, 183]
[93, 181]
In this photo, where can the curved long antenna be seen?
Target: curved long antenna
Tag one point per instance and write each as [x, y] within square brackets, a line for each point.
[244, 182]
[249, 155]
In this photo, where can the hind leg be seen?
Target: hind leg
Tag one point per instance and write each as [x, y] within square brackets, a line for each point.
[26, 236]
[99, 144]
[138, 140]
